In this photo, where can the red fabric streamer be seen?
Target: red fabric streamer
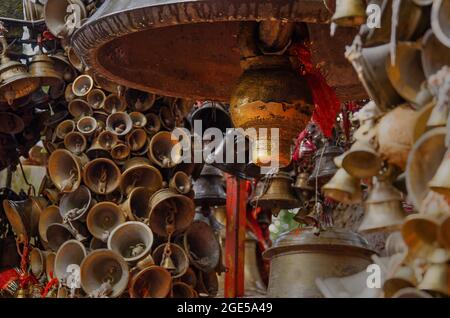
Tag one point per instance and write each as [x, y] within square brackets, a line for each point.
[325, 99]
[301, 136]
[52, 282]
[7, 277]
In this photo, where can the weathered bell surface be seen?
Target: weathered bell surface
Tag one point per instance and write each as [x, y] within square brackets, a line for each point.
[281, 104]
[48, 216]
[43, 68]
[96, 244]
[439, 21]
[10, 123]
[140, 101]
[201, 246]
[71, 252]
[301, 256]
[74, 205]
[97, 150]
[138, 172]
[275, 192]
[168, 208]
[37, 262]
[104, 273]
[324, 166]
[120, 152]
[96, 98]
[362, 161]
[436, 280]
[343, 188]
[102, 176]
[181, 182]
[58, 17]
[151, 282]
[209, 188]
[79, 108]
[114, 104]
[349, 13]
[302, 186]
[434, 54]
[424, 159]
[133, 240]
[137, 205]
[178, 259]
[153, 123]
[65, 127]
[103, 218]
[23, 217]
[58, 233]
[164, 151]
[87, 125]
[136, 139]
[15, 81]
[75, 142]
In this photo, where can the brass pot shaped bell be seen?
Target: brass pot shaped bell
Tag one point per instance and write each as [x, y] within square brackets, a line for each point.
[349, 13]
[102, 176]
[151, 282]
[71, 252]
[75, 142]
[164, 151]
[73, 206]
[170, 212]
[138, 172]
[104, 273]
[209, 188]
[120, 152]
[177, 257]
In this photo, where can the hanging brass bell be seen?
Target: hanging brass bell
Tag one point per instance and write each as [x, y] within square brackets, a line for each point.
[43, 68]
[436, 280]
[164, 151]
[79, 108]
[74, 206]
[139, 120]
[107, 139]
[74, 60]
[349, 13]
[383, 208]
[439, 21]
[403, 277]
[48, 216]
[119, 123]
[71, 252]
[57, 16]
[137, 205]
[139, 173]
[301, 186]
[141, 101]
[97, 150]
[37, 262]
[189, 277]
[102, 176]
[96, 98]
[153, 124]
[324, 167]
[75, 142]
[50, 265]
[169, 208]
[181, 182]
[167, 118]
[108, 85]
[362, 161]
[343, 188]
[151, 282]
[15, 81]
[253, 283]
[104, 273]
[113, 103]
[132, 240]
[275, 192]
[209, 188]
[10, 123]
[24, 217]
[82, 85]
[65, 127]
[177, 263]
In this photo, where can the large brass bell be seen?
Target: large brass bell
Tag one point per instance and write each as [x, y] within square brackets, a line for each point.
[119, 123]
[176, 262]
[43, 68]
[59, 15]
[151, 282]
[165, 151]
[24, 217]
[201, 246]
[137, 205]
[275, 192]
[362, 161]
[209, 188]
[139, 173]
[439, 21]
[383, 208]
[15, 81]
[74, 205]
[102, 176]
[211, 115]
[104, 273]
[324, 166]
[132, 240]
[71, 252]
[343, 188]
[49, 215]
[349, 13]
[169, 208]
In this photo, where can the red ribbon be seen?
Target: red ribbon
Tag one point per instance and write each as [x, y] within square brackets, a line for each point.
[7, 277]
[52, 282]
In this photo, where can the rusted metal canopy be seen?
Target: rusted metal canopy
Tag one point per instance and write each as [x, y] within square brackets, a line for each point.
[185, 48]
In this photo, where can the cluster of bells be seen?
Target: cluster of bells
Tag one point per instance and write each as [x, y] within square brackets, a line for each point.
[401, 147]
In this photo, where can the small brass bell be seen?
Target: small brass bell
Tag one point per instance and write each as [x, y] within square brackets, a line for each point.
[97, 150]
[212, 115]
[113, 104]
[164, 151]
[102, 176]
[324, 167]
[65, 127]
[182, 290]
[176, 263]
[404, 277]
[119, 123]
[48, 216]
[107, 140]
[87, 125]
[343, 188]
[301, 186]
[436, 280]
[139, 120]
[120, 152]
[82, 85]
[434, 54]
[180, 182]
[79, 108]
[73, 206]
[349, 13]
[153, 123]
[63, 67]
[96, 98]
[136, 139]
[362, 161]
[420, 234]
[439, 21]
[103, 218]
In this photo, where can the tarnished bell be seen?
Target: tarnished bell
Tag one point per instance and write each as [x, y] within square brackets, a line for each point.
[102, 176]
[15, 81]
[212, 115]
[439, 21]
[96, 98]
[299, 257]
[63, 67]
[87, 125]
[71, 252]
[207, 284]
[362, 161]
[43, 68]
[59, 16]
[79, 108]
[164, 151]
[349, 13]
[73, 206]
[177, 257]
[113, 103]
[137, 205]
[97, 150]
[37, 262]
[65, 127]
[153, 124]
[104, 273]
[209, 188]
[120, 152]
[301, 185]
[182, 290]
[137, 139]
[82, 85]
[107, 139]
[139, 173]
[383, 208]
[324, 166]
[24, 217]
[58, 233]
[49, 215]
[167, 205]
[180, 182]
[201, 246]
[132, 240]
[119, 123]
[343, 188]
[282, 99]
[151, 282]
[275, 192]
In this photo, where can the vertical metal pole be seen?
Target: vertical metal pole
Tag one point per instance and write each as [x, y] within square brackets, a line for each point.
[235, 237]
